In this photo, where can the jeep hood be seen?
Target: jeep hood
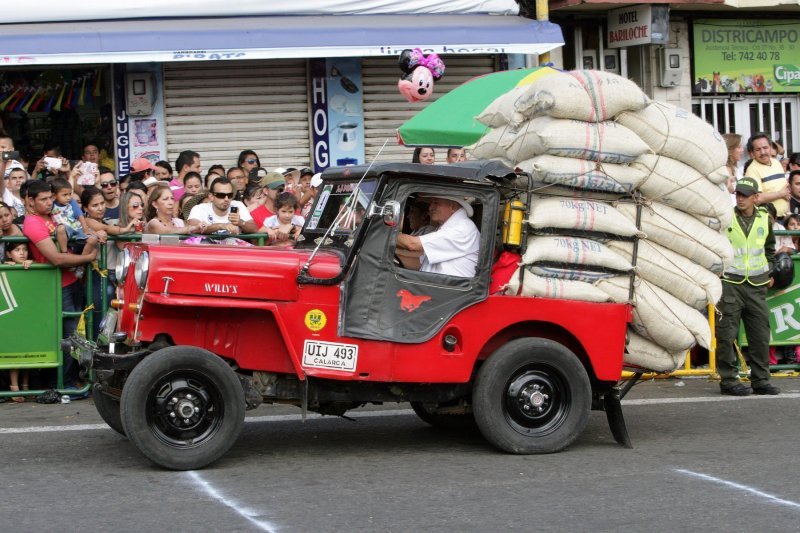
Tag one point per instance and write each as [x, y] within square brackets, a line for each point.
[255, 273]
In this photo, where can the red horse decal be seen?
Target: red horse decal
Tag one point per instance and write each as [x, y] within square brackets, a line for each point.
[411, 302]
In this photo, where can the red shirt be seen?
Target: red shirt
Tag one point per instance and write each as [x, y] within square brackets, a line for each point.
[38, 228]
[260, 214]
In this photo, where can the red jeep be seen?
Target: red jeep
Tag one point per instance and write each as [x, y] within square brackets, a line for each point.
[201, 333]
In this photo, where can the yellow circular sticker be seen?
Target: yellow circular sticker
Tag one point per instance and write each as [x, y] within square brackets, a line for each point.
[315, 320]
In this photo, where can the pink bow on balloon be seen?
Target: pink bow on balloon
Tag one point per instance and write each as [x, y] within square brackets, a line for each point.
[431, 62]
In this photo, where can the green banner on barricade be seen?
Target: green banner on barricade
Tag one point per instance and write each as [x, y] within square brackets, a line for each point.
[30, 316]
[784, 313]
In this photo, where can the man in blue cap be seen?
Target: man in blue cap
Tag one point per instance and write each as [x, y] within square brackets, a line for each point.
[744, 293]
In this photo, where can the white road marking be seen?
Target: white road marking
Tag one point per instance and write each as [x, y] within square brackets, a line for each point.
[247, 514]
[739, 486]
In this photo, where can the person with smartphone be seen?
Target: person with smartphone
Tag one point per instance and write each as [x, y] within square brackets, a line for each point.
[8, 158]
[222, 213]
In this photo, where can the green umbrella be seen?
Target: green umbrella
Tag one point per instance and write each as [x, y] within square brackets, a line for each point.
[450, 120]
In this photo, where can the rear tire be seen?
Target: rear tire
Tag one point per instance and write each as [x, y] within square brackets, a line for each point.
[532, 396]
[183, 407]
[428, 412]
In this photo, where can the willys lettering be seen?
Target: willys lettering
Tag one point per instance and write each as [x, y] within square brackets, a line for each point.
[221, 288]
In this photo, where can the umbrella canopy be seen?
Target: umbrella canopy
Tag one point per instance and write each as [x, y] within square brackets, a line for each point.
[450, 120]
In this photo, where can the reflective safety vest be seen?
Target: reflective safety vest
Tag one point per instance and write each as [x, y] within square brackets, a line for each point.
[749, 259]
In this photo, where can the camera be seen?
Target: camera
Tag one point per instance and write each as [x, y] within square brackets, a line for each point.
[7, 156]
[234, 209]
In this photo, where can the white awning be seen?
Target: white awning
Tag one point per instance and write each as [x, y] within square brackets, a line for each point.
[208, 39]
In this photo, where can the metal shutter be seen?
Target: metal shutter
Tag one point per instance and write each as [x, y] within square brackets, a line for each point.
[385, 110]
[220, 109]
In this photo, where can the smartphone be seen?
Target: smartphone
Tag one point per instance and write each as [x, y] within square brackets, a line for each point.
[12, 155]
[234, 209]
[53, 163]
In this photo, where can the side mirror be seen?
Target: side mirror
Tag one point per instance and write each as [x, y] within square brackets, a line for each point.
[391, 212]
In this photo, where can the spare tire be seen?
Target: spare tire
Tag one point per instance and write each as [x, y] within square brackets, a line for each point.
[784, 271]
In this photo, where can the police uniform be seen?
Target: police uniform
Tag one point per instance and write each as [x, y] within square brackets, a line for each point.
[744, 292]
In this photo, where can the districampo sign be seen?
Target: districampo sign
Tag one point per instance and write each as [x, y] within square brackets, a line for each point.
[737, 56]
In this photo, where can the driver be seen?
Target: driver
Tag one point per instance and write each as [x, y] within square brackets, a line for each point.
[453, 248]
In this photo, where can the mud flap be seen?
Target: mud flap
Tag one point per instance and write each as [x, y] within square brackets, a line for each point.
[613, 409]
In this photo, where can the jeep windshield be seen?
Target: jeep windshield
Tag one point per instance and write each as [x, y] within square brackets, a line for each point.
[341, 207]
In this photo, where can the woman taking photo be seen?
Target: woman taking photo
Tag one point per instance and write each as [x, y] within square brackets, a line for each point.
[161, 214]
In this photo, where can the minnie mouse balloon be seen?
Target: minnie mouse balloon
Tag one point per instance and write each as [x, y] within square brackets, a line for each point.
[420, 71]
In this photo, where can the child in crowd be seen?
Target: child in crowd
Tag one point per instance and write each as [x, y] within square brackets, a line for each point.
[16, 253]
[68, 213]
[305, 194]
[286, 224]
[792, 223]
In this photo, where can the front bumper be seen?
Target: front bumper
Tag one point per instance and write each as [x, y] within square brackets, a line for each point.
[92, 357]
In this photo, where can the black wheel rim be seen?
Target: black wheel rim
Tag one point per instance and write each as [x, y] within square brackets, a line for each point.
[537, 400]
[185, 409]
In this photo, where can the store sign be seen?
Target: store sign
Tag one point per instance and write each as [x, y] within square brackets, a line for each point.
[122, 132]
[337, 121]
[642, 24]
[742, 56]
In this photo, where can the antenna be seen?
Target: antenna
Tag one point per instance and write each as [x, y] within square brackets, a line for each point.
[345, 213]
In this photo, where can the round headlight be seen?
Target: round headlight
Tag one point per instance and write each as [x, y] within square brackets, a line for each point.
[141, 270]
[123, 264]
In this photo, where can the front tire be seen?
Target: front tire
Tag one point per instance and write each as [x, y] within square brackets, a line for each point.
[109, 410]
[532, 396]
[182, 407]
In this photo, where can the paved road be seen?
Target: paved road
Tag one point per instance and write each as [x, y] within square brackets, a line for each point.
[701, 462]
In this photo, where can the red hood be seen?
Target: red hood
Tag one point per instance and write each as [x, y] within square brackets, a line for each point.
[258, 273]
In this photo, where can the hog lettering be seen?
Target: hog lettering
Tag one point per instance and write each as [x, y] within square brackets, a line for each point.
[411, 302]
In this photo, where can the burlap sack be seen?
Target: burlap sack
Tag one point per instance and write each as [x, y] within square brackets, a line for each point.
[683, 234]
[646, 354]
[587, 95]
[674, 132]
[567, 252]
[659, 316]
[607, 141]
[555, 288]
[579, 217]
[490, 145]
[583, 174]
[680, 186]
[685, 280]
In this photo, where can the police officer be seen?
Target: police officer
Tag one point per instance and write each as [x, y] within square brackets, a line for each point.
[744, 292]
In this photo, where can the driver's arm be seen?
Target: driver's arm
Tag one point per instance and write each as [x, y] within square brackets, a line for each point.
[409, 242]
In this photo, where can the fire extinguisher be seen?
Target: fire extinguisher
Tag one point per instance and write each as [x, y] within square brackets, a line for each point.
[512, 222]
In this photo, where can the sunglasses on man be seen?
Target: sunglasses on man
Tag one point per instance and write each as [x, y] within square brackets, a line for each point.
[222, 195]
[108, 184]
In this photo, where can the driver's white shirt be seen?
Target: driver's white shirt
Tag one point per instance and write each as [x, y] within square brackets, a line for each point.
[453, 248]
[205, 213]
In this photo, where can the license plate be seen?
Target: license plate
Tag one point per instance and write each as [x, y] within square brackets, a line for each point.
[330, 355]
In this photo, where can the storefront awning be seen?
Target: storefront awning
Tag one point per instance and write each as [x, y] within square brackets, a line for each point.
[205, 39]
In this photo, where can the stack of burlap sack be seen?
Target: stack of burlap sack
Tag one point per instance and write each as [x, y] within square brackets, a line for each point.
[596, 147]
